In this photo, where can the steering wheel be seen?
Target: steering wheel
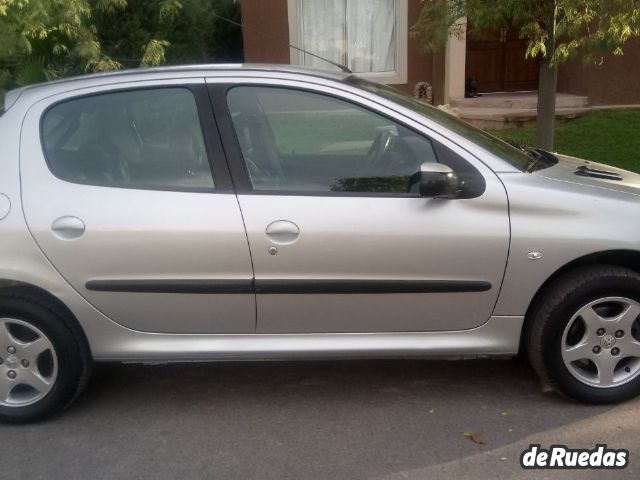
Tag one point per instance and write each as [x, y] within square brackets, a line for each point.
[383, 144]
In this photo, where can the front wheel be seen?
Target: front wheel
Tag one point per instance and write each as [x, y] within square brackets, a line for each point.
[584, 336]
[44, 359]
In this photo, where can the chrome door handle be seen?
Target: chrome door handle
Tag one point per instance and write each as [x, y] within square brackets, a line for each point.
[67, 227]
[282, 232]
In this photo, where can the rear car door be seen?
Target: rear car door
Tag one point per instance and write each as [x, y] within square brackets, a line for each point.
[340, 239]
[127, 193]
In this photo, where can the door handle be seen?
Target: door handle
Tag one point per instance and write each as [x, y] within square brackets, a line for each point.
[67, 227]
[282, 232]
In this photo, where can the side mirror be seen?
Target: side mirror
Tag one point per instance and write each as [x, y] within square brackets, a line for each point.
[438, 181]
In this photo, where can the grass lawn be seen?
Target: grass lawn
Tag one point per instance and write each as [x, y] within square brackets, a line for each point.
[610, 136]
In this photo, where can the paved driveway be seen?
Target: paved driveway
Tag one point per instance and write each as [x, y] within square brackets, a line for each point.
[328, 420]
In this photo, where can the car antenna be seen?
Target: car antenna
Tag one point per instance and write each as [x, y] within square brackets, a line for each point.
[344, 68]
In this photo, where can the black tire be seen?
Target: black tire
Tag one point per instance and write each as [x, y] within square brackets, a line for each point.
[550, 315]
[71, 349]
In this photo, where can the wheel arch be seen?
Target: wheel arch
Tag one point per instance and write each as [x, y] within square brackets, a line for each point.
[622, 258]
[50, 300]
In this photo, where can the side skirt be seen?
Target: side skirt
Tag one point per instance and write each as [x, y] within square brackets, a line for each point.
[499, 336]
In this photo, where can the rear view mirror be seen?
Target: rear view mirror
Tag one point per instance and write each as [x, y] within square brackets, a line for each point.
[438, 181]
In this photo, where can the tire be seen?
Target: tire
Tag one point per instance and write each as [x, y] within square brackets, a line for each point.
[567, 346]
[60, 371]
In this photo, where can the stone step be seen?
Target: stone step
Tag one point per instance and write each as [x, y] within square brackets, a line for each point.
[518, 100]
[499, 118]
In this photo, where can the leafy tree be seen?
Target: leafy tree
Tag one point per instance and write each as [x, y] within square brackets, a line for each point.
[556, 30]
[130, 32]
[46, 39]
[42, 39]
[191, 31]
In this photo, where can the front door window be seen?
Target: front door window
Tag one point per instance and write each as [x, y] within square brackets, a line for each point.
[294, 140]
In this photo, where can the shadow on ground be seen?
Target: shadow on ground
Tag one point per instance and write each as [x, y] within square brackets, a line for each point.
[351, 419]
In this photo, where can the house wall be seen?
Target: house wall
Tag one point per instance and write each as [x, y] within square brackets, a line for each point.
[423, 67]
[271, 17]
[615, 82]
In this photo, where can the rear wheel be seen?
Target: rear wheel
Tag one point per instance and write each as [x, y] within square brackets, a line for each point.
[44, 359]
[584, 339]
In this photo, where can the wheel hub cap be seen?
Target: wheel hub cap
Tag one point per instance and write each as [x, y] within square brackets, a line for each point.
[608, 341]
[12, 362]
[590, 350]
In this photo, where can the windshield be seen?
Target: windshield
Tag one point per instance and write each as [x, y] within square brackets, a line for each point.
[501, 149]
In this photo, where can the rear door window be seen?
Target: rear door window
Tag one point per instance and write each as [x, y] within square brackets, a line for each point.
[133, 139]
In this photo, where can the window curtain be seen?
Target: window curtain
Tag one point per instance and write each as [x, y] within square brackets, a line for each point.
[358, 33]
[322, 28]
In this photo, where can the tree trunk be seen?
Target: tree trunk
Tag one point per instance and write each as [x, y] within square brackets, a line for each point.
[547, 85]
[548, 82]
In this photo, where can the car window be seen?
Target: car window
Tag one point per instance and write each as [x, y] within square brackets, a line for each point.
[300, 141]
[139, 138]
[492, 144]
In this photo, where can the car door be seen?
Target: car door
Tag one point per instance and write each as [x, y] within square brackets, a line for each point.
[340, 240]
[133, 205]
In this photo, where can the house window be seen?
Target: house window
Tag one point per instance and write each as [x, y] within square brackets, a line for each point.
[368, 36]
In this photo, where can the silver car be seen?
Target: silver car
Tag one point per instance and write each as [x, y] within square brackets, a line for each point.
[264, 212]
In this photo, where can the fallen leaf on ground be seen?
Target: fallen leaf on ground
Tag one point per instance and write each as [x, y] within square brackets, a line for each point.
[504, 414]
[432, 411]
[475, 436]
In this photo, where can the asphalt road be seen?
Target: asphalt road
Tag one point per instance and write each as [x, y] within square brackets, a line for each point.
[325, 420]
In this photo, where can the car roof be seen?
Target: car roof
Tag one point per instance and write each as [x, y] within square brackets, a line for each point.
[208, 69]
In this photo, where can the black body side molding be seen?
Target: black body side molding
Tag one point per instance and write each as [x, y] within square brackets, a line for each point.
[369, 286]
[290, 286]
[172, 286]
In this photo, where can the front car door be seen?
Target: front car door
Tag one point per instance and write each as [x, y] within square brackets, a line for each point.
[133, 205]
[340, 240]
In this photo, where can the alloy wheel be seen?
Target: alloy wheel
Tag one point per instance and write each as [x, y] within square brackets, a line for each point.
[28, 363]
[601, 342]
